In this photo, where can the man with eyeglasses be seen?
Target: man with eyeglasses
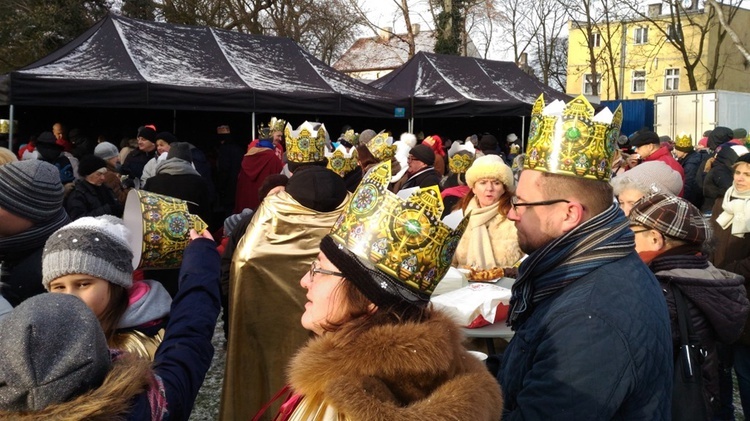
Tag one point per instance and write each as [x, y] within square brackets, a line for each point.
[592, 336]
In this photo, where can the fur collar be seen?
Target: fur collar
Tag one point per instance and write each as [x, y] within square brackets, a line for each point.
[408, 371]
[128, 377]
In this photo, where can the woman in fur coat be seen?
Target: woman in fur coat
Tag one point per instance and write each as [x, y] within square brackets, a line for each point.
[490, 240]
[381, 352]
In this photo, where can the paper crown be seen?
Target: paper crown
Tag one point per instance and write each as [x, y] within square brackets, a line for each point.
[404, 239]
[351, 137]
[307, 143]
[569, 139]
[458, 163]
[381, 146]
[264, 132]
[342, 161]
[277, 125]
[684, 141]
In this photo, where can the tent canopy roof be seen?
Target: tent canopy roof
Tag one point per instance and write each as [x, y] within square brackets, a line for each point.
[122, 62]
[452, 86]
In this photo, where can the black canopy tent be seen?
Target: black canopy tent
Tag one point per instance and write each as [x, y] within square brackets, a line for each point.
[129, 63]
[443, 86]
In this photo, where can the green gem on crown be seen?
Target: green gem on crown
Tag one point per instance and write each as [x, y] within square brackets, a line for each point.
[413, 227]
[573, 133]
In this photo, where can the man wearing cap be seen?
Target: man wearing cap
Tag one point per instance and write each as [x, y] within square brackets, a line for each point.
[31, 209]
[53, 153]
[669, 235]
[592, 338]
[420, 173]
[648, 146]
[740, 136]
[266, 303]
[137, 159]
[90, 197]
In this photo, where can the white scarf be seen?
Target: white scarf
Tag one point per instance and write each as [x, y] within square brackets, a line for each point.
[736, 213]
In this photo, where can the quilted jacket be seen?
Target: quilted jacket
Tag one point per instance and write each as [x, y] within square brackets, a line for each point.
[601, 348]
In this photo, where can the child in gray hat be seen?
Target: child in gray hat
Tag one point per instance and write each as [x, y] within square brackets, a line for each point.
[54, 361]
[91, 259]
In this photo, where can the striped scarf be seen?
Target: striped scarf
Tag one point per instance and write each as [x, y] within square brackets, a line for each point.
[603, 239]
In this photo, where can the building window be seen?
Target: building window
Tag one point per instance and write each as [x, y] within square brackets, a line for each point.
[596, 40]
[640, 35]
[674, 33]
[639, 81]
[672, 80]
[588, 86]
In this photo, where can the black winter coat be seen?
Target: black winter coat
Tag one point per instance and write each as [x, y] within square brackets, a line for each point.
[87, 199]
[693, 191]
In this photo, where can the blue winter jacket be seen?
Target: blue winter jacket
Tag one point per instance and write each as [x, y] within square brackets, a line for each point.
[599, 349]
[183, 358]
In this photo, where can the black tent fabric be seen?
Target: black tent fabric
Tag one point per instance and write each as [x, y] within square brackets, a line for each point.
[129, 63]
[450, 86]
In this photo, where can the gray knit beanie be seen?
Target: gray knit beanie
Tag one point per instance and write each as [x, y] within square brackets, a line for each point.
[96, 246]
[106, 151]
[31, 189]
[52, 349]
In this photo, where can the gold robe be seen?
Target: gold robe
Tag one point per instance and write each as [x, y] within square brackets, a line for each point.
[266, 301]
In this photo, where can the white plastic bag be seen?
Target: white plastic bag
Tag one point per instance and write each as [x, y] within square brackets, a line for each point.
[475, 305]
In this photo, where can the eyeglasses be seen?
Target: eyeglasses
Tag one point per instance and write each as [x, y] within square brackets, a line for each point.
[315, 269]
[639, 231]
[515, 204]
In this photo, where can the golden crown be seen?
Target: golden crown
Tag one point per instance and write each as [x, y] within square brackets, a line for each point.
[404, 239]
[264, 132]
[351, 137]
[277, 124]
[381, 146]
[307, 143]
[684, 141]
[342, 161]
[569, 139]
[460, 157]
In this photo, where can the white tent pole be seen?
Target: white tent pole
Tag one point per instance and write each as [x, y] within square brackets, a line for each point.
[523, 134]
[253, 123]
[410, 127]
[12, 127]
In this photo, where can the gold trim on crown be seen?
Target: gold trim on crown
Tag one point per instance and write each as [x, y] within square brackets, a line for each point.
[342, 161]
[459, 163]
[277, 125]
[381, 146]
[307, 143]
[351, 137]
[684, 141]
[569, 139]
[404, 239]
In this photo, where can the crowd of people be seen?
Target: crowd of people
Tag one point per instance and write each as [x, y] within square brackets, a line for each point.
[322, 252]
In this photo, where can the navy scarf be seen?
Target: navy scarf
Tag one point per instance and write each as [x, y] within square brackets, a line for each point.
[604, 238]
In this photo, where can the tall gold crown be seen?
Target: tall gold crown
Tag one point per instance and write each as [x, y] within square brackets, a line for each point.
[307, 143]
[342, 161]
[684, 141]
[381, 146]
[405, 239]
[277, 125]
[569, 139]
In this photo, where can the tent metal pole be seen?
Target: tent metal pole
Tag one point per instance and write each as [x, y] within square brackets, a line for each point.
[523, 133]
[12, 127]
[253, 126]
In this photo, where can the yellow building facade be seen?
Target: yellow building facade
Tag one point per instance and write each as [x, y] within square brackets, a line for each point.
[645, 60]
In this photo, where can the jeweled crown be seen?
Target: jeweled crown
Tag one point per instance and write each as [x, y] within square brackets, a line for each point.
[460, 157]
[405, 239]
[351, 137]
[684, 141]
[569, 139]
[307, 143]
[381, 146]
[342, 161]
[277, 125]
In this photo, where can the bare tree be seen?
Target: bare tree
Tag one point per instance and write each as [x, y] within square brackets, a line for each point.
[482, 18]
[726, 25]
[549, 18]
[674, 24]
[520, 25]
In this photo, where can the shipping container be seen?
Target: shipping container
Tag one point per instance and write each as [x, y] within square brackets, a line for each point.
[693, 113]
